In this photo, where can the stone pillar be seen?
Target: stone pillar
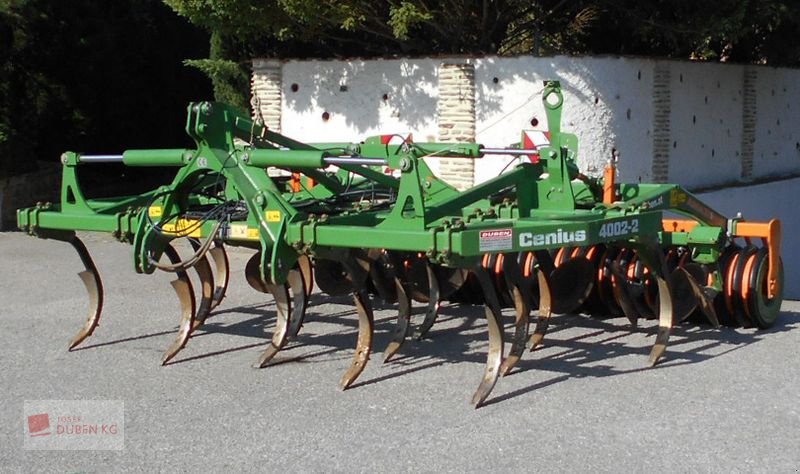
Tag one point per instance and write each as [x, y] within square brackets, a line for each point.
[749, 120]
[662, 133]
[266, 90]
[456, 116]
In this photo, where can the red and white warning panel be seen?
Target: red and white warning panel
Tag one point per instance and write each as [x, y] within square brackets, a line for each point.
[535, 139]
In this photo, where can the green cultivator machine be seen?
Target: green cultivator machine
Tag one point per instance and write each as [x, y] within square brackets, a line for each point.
[542, 236]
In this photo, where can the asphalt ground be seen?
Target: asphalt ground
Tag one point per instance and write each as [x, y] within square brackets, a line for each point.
[721, 401]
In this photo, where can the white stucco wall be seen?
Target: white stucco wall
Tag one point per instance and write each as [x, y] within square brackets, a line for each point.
[777, 145]
[599, 96]
[610, 103]
[706, 124]
[410, 87]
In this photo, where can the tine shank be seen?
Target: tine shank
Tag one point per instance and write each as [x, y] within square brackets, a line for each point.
[183, 289]
[432, 311]
[495, 355]
[279, 337]
[545, 310]
[299, 304]
[222, 275]
[403, 321]
[704, 300]
[94, 286]
[521, 297]
[203, 270]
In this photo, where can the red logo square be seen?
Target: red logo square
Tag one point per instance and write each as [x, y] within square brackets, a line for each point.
[38, 423]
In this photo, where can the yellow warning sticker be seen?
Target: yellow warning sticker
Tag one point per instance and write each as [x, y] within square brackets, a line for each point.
[184, 228]
[273, 216]
[676, 198]
[242, 232]
[239, 231]
[154, 211]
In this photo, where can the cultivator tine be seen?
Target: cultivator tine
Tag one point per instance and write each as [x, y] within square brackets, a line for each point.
[297, 283]
[283, 305]
[653, 258]
[183, 289]
[432, 311]
[94, 286]
[622, 293]
[222, 275]
[521, 298]
[203, 270]
[307, 272]
[704, 298]
[366, 323]
[545, 310]
[403, 323]
[494, 358]
[279, 337]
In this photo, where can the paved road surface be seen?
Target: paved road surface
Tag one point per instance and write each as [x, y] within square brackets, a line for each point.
[722, 401]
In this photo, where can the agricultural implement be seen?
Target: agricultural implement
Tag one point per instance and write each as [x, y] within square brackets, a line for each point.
[541, 236]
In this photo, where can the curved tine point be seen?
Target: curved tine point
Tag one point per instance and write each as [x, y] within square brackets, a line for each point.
[203, 270]
[432, 311]
[403, 321]
[299, 301]
[545, 310]
[521, 297]
[495, 328]
[223, 273]
[654, 260]
[186, 297]
[307, 271]
[704, 300]
[94, 286]
[664, 321]
[364, 345]
[91, 280]
[183, 289]
[282, 307]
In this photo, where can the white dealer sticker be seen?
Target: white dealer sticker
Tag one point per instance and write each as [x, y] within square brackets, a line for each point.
[498, 239]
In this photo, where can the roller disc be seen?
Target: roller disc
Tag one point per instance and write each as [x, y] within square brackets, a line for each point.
[721, 302]
[571, 282]
[763, 311]
[469, 293]
[381, 275]
[594, 304]
[605, 282]
[416, 275]
[494, 266]
[332, 278]
[450, 279]
[527, 264]
[746, 257]
[683, 298]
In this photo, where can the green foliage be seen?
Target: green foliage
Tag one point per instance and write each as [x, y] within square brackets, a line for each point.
[405, 16]
[229, 79]
[741, 30]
